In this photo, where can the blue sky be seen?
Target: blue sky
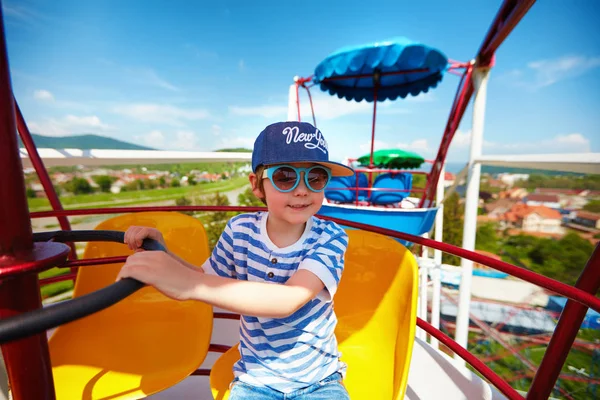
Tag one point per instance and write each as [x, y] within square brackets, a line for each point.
[207, 75]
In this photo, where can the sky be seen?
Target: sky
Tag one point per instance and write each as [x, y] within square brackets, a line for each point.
[208, 75]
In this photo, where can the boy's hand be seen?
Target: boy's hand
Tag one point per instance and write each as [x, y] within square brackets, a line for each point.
[135, 235]
[162, 271]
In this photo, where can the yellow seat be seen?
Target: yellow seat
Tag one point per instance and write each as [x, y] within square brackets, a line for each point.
[143, 344]
[376, 306]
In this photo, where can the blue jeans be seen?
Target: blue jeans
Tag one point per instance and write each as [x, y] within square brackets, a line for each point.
[330, 388]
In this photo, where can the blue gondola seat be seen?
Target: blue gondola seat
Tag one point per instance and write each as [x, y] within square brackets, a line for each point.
[393, 181]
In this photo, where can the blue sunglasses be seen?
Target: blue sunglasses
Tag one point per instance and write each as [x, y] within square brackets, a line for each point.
[286, 178]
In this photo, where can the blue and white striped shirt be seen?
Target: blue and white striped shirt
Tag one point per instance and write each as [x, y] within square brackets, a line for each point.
[291, 353]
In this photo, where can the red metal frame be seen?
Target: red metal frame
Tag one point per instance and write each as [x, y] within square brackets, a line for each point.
[42, 173]
[571, 292]
[27, 360]
[509, 15]
[566, 331]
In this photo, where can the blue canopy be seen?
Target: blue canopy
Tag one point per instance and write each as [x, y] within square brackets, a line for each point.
[399, 54]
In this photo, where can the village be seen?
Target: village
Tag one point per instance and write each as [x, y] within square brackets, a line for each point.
[504, 198]
[541, 212]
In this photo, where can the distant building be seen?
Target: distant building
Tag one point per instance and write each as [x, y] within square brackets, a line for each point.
[537, 219]
[587, 219]
[499, 207]
[546, 200]
[514, 193]
[511, 179]
[449, 179]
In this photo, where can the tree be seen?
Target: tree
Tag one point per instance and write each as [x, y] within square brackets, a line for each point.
[487, 239]
[175, 182]
[592, 206]
[184, 201]
[216, 221]
[79, 186]
[248, 199]
[30, 193]
[562, 259]
[453, 226]
[104, 182]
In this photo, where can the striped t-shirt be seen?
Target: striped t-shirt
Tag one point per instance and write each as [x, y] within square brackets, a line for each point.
[291, 353]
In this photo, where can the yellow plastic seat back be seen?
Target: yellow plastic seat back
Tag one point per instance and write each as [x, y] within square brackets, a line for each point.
[376, 307]
[143, 344]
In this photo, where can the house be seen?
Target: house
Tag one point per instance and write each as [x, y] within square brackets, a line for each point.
[514, 193]
[449, 179]
[511, 179]
[499, 207]
[587, 219]
[546, 200]
[535, 219]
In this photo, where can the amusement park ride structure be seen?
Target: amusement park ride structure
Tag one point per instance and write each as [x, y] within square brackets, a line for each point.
[24, 321]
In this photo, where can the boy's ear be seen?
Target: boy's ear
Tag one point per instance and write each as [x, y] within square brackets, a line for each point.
[254, 183]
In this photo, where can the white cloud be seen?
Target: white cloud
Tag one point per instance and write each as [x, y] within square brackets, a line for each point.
[418, 145]
[71, 124]
[19, 12]
[155, 139]
[179, 140]
[43, 95]
[216, 130]
[421, 98]
[544, 73]
[366, 147]
[265, 111]
[151, 77]
[235, 142]
[461, 139]
[161, 113]
[568, 143]
[184, 140]
[330, 107]
[326, 108]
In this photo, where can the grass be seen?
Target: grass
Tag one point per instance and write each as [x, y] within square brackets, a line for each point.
[138, 197]
[55, 288]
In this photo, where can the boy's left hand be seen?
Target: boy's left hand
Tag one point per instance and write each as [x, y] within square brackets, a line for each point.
[162, 271]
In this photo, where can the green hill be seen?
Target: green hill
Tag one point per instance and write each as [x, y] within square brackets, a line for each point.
[84, 142]
[235, 150]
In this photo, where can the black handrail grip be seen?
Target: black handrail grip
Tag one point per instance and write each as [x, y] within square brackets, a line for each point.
[40, 320]
[92, 236]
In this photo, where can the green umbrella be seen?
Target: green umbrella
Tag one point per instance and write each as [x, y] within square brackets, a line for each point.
[393, 158]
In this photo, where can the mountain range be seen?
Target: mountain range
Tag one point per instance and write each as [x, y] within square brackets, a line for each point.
[83, 142]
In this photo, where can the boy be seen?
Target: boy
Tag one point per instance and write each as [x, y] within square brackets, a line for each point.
[279, 269]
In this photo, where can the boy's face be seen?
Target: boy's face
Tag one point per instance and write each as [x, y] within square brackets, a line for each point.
[294, 207]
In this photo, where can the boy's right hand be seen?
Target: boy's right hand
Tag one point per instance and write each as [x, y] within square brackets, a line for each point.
[135, 235]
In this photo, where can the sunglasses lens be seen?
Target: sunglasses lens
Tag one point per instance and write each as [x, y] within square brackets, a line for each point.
[284, 178]
[318, 178]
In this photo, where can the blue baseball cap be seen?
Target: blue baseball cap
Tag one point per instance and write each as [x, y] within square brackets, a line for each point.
[292, 142]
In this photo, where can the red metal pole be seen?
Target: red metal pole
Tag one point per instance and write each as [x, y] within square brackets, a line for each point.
[27, 360]
[509, 15]
[461, 101]
[565, 332]
[483, 369]
[38, 164]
